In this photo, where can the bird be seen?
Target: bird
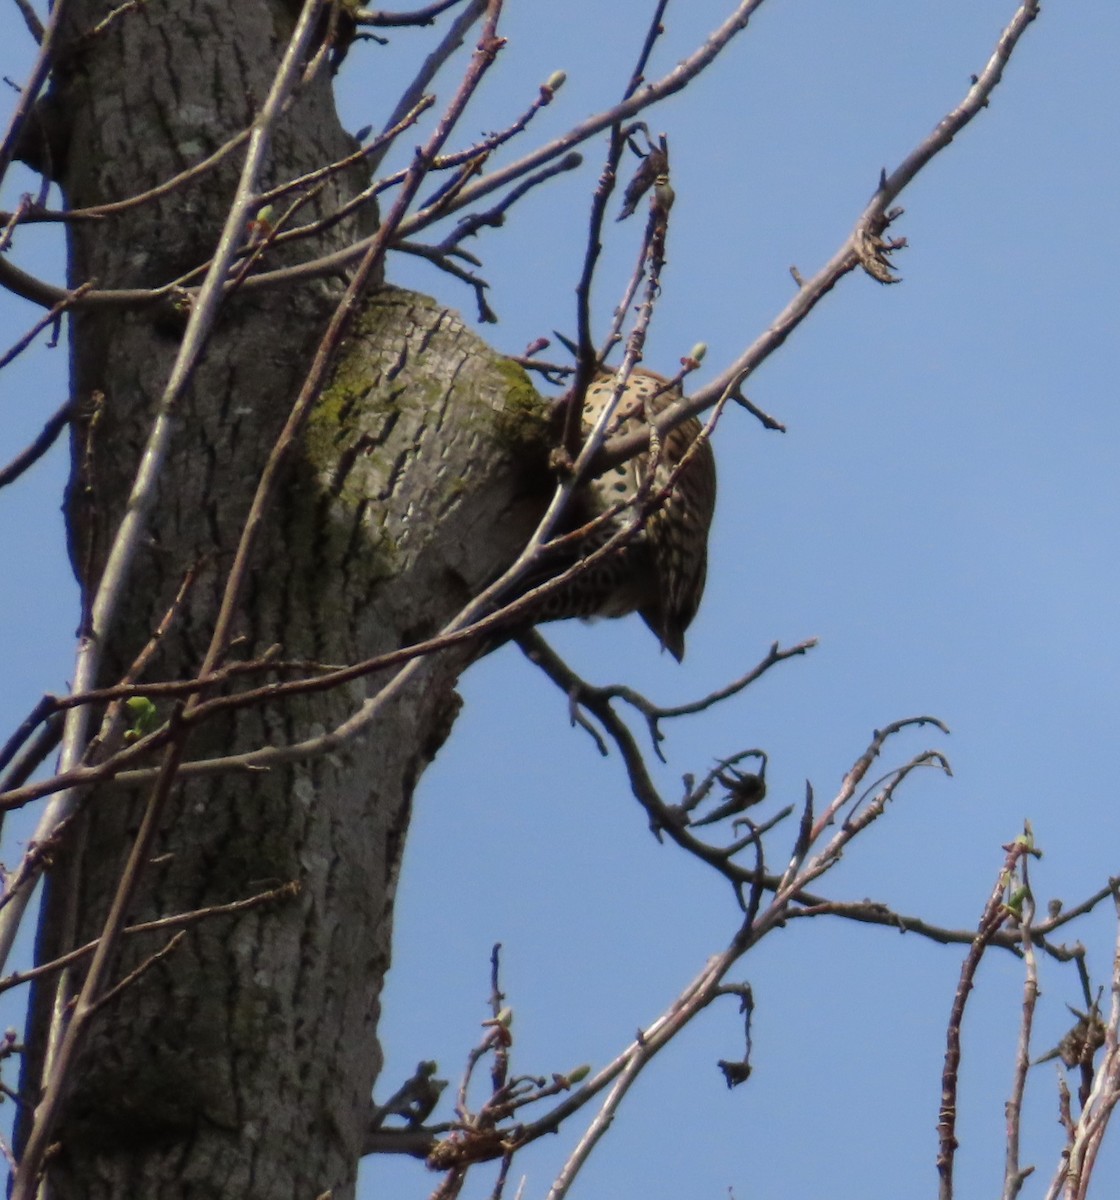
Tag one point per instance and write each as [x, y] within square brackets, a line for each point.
[660, 572]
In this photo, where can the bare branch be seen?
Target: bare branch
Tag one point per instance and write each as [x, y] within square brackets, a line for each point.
[443, 260]
[654, 713]
[44, 440]
[644, 98]
[30, 19]
[469, 225]
[488, 48]
[139, 971]
[1015, 1175]
[872, 222]
[43, 741]
[234, 908]
[59, 1065]
[130, 532]
[1075, 1173]
[994, 915]
[430, 68]
[51, 318]
[29, 93]
[418, 16]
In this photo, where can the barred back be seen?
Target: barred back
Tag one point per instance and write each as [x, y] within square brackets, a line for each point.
[660, 573]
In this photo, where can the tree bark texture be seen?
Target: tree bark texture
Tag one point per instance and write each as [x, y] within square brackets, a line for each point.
[241, 1065]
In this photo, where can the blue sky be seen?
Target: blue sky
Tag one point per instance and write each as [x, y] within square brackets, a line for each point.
[941, 513]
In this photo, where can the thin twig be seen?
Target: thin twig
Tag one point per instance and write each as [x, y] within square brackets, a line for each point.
[284, 892]
[111, 17]
[29, 93]
[13, 221]
[44, 440]
[652, 93]
[30, 19]
[1103, 1096]
[430, 68]
[50, 318]
[587, 361]
[862, 765]
[59, 1064]
[317, 373]
[654, 713]
[57, 1074]
[418, 16]
[848, 257]
[469, 225]
[134, 522]
[994, 915]
[142, 969]
[1015, 1175]
[671, 83]
[97, 212]
[442, 259]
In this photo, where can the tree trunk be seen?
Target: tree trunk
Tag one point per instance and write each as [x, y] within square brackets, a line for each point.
[241, 1065]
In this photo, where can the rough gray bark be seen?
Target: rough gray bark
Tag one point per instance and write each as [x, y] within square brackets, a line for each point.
[242, 1065]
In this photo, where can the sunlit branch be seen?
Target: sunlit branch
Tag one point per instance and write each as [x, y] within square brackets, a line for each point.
[852, 252]
[418, 16]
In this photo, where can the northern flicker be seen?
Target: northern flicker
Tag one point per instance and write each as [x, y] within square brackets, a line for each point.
[660, 572]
